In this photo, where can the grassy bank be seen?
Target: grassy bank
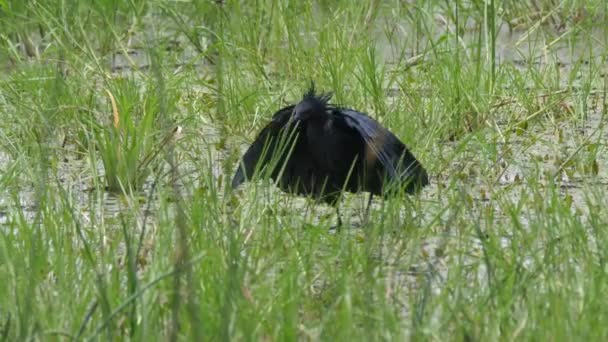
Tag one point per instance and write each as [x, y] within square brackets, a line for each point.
[115, 226]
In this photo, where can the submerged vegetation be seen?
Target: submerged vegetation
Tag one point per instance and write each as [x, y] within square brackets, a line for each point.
[112, 228]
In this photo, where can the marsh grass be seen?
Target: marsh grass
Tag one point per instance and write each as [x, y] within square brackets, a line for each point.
[504, 102]
[129, 146]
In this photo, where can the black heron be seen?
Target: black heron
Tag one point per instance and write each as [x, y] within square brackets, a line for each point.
[319, 150]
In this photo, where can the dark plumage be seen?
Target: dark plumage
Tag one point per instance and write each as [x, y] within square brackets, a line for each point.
[317, 149]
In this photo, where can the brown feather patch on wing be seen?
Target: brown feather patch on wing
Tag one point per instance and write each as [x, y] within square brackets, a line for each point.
[372, 147]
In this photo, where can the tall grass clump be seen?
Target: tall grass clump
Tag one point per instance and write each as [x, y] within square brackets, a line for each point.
[129, 145]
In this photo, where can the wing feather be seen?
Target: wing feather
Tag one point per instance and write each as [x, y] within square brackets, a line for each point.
[263, 147]
[384, 144]
[397, 160]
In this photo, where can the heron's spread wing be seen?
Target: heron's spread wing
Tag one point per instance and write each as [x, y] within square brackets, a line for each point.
[263, 147]
[383, 144]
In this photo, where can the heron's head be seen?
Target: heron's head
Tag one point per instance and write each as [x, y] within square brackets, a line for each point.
[312, 105]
